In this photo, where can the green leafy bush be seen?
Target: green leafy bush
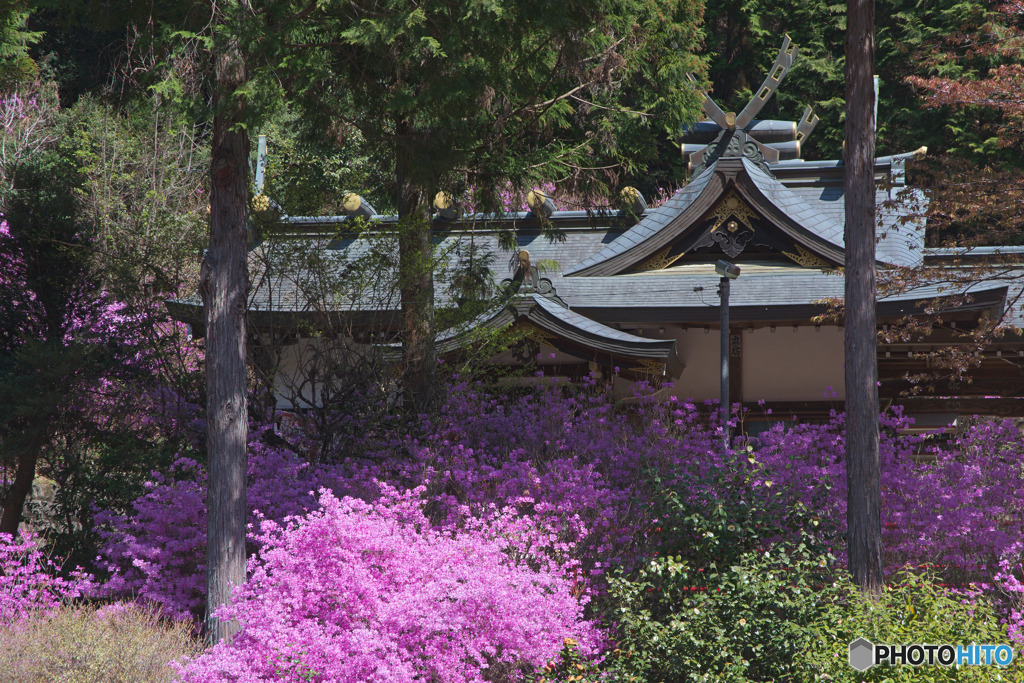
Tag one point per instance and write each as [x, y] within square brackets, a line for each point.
[745, 621]
[914, 609]
[777, 617]
[720, 597]
[714, 515]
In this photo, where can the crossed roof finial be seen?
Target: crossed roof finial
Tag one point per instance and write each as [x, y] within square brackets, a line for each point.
[729, 122]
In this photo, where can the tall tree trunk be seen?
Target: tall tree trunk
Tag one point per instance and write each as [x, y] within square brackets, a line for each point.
[864, 497]
[43, 376]
[416, 278]
[224, 284]
[21, 487]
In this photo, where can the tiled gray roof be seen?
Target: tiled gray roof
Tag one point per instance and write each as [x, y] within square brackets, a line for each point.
[565, 324]
[288, 285]
[900, 231]
[815, 204]
[817, 217]
[578, 244]
[757, 287]
[760, 293]
[593, 327]
[807, 216]
[652, 223]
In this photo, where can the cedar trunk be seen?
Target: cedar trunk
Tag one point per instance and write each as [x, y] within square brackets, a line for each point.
[864, 498]
[416, 278]
[224, 284]
[17, 494]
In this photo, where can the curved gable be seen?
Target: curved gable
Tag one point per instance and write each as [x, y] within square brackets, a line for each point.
[655, 229]
[735, 206]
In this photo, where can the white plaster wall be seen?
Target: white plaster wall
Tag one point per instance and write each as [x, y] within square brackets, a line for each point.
[287, 379]
[700, 352]
[777, 366]
[296, 360]
[793, 366]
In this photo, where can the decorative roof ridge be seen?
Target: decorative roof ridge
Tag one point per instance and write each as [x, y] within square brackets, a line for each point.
[765, 140]
[880, 162]
[733, 144]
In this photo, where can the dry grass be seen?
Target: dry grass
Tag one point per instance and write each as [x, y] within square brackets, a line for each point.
[86, 645]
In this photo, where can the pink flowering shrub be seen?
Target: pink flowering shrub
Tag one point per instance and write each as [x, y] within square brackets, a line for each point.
[157, 552]
[159, 555]
[1010, 588]
[955, 509]
[963, 511]
[29, 581]
[585, 464]
[366, 592]
[588, 471]
[574, 468]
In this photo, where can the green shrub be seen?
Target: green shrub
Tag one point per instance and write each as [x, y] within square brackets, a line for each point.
[721, 598]
[915, 609]
[714, 515]
[748, 621]
[121, 644]
[774, 617]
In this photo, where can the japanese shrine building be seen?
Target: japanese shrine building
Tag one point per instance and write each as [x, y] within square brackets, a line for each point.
[634, 294]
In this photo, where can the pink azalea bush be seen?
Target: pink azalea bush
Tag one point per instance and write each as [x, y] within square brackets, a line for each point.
[952, 506]
[366, 592]
[156, 552]
[159, 556]
[588, 472]
[29, 581]
[582, 467]
[577, 471]
[963, 511]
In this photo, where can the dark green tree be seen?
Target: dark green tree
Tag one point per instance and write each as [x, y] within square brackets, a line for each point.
[743, 37]
[484, 96]
[15, 40]
[50, 303]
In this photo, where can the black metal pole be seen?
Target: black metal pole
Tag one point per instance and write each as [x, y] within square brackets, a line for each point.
[723, 292]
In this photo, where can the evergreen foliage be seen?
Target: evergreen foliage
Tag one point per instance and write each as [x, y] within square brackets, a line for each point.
[914, 39]
[15, 39]
[575, 85]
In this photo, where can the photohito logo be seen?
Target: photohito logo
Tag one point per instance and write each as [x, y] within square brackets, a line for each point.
[864, 654]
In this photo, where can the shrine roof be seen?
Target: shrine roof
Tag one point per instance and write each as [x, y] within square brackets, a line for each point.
[568, 330]
[651, 223]
[762, 292]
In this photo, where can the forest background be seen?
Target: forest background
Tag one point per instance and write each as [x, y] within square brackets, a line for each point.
[108, 115]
